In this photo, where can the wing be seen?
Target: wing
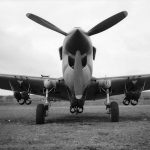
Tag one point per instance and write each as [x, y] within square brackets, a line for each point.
[34, 85]
[118, 85]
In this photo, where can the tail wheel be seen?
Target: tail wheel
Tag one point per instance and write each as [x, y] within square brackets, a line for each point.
[40, 114]
[114, 112]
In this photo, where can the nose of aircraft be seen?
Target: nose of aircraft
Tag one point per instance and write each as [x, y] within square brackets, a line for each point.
[77, 40]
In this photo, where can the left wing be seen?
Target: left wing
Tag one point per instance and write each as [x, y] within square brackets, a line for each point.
[34, 85]
[118, 85]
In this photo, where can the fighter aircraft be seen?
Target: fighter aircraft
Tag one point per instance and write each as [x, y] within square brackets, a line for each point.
[77, 84]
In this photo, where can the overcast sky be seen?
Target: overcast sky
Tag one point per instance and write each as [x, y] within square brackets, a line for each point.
[27, 48]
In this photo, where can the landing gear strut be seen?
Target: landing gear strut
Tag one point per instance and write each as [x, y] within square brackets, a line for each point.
[113, 108]
[114, 111]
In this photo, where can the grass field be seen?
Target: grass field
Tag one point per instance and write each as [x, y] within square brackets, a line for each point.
[91, 130]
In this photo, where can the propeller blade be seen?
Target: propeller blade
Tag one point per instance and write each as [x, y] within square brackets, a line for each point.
[45, 23]
[104, 25]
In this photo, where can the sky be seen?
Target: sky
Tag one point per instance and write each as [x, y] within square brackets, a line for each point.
[26, 48]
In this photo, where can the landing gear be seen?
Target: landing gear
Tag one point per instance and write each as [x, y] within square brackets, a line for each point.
[113, 108]
[40, 114]
[114, 111]
[42, 111]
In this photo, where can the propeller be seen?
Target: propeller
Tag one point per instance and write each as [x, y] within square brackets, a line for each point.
[104, 25]
[45, 23]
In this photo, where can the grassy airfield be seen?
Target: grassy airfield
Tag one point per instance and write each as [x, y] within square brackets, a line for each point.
[91, 130]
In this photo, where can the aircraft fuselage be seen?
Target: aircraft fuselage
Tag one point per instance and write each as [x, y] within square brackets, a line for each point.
[77, 61]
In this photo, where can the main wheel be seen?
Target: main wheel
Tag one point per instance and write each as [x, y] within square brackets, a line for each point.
[40, 114]
[114, 111]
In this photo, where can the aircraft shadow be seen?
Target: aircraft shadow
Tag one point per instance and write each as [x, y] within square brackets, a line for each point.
[134, 118]
[94, 118]
[81, 118]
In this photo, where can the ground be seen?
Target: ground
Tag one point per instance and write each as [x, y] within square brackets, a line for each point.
[91, 130]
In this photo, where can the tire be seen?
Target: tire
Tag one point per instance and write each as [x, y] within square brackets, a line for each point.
[114, 112]
[40, 114]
